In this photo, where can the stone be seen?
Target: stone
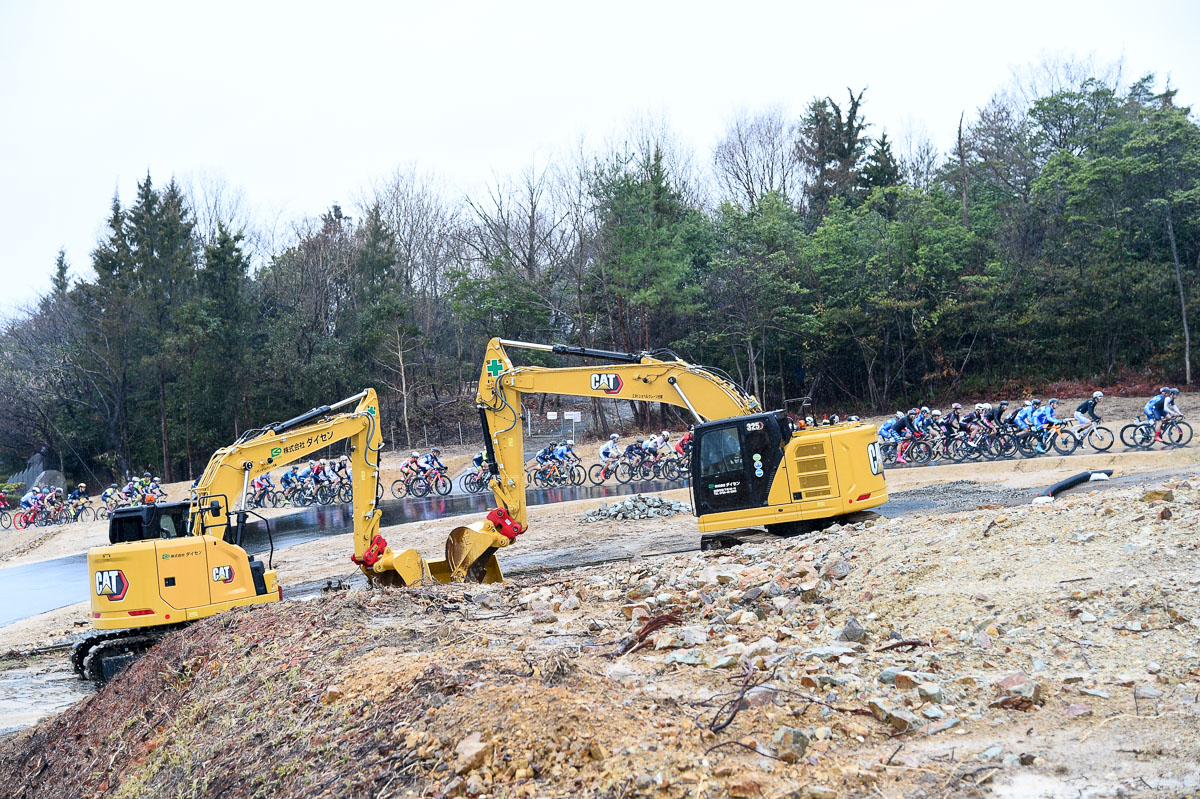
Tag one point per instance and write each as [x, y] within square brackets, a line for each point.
[472, 752]
[1158, 494]
[1094, 692]
[748, 786]
[853, 631]
[838, 570]
[628, 611]
[821, 792]
[1086, 618]
[1077, 710]
[888, 675]
[1146, 692]
[830, 652]
[930, 691]
[544, 617]
[911, 679]
[894, 716]
[933, 712]
[570, 603]
[790, 744]
[597, 751]
[687, 657]
[763, 647]
[941, 726]
[1017, 684]
[474, 785]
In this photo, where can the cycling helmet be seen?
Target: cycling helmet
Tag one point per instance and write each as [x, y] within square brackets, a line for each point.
[1028, 403]
[146, 475]
[345, 458]
[570, 443]
[979, 406]
[415, 454]
[913, 411]
[1051, 402]
[82, 485]
[808, 420]
[935, 413]
[312, 463]
[613, 437]
[1037, 402]
[114, 485]
[1174, 391]
[1097, 395]
[851, 418]
[435, 449]
[325, 462]
[1163, 390]
[835, 419]
[1003, 403]
[295, 468]
[157, 480]
[666, 434]
[899, 414]
[58, 489]
[956, 407]
[640, 440]
[924, 409]
[987, 406]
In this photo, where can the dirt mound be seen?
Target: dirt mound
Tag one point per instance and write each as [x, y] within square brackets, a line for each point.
[1002, 650]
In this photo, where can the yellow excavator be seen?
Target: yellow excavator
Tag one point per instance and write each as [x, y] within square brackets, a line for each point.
[173, 563]
[749, 467]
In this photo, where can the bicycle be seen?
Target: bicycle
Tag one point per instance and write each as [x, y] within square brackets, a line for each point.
[412, 485]
[476, 481]
[83, 512]
[1095, 435]
[1175, 432]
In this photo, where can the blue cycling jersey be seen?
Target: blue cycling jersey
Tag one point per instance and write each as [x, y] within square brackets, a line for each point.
[289, 477]
[887, 426]
[1024, 418]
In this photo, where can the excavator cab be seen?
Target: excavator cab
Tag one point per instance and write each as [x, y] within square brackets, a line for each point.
[734, 461]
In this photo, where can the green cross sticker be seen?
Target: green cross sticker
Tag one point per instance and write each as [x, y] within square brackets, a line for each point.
[494, 367]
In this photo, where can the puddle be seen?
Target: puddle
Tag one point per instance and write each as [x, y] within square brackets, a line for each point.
[38, 687]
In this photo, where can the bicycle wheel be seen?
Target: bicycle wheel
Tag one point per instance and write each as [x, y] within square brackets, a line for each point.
[21, 521]
[887, 451]
[578, 475]
[442, 485]
[597, 474]
[345, 493]
[624, 472]
[1064, 442]
[5, 519]
[399, 489]
[1129, 434]
[419, 487]
[919, 453]
[324, 495]
[85, 514]
[1179, 434]
[1100, 438]
[1143, 436]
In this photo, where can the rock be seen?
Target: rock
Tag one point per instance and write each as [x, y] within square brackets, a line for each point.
[1077, 710]
[821, 792]
[637, 612]
[1153, 668]
[1158, 494]
[895, 716]
[790, 744]
[1164, 515]
[1086, 618]
[721, 661]
[570, 603]
[748, 786]
[597, 751]
[544, 617]
[933, 712]
[982, 640]
[930, 691]
[472, 752]
[991, 753]
[1094, 692]
[838, 570]
[761, 695]
[1017, 684]
[911, 679]
[1146, 692]
[941, 726]
[452, 788]
[474, 785]
[853, 631]
[764, 647]
[830, 652]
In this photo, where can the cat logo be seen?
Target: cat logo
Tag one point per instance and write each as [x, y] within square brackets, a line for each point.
[112, 584]
[874, 458]
[222, 574]
[608, 382]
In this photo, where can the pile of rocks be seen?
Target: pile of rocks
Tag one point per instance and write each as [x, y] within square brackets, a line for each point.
[635, 508]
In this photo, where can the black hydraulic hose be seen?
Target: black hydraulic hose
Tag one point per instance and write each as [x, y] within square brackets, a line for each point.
[1071, 482]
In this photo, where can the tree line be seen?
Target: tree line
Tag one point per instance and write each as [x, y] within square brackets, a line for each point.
[1059, 238]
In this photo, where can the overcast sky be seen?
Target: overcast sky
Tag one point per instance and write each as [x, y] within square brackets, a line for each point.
[299, 105]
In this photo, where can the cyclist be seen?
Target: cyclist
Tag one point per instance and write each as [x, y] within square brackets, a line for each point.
[634, 450]
[431, 461]
[480, 459]
[410, 468]
[321, 472]
[341, 468]
[923, 421]
[952, 422]
[610, 451]
[156, 488]
[887, 430]
[1086, 414]
[1042, 419]
[684, 445]
[110, 495]
[290, 481]
[259, 487]
[1170, 407]
[1156, 411]
[545, 457]
[904, 429]
[29, 498]
[996, 415]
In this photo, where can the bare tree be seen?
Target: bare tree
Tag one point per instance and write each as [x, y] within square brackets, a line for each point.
[758, 155]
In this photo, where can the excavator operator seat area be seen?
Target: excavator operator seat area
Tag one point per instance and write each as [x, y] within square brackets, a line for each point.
[734, 462]
[149, 522]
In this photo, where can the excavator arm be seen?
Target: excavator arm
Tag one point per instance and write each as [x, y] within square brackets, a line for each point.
[230, 470]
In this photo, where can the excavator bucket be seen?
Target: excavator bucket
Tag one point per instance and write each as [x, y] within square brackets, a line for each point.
[399, 570]
[470, 556]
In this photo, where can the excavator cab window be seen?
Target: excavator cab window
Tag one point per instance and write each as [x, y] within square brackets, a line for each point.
[145, 522]
[734, 461]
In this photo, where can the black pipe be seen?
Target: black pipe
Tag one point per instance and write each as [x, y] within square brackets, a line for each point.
[493, 468]
[315, 413]
[584, 352]
[1071, 482]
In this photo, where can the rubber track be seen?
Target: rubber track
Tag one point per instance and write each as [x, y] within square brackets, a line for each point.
[93, 663]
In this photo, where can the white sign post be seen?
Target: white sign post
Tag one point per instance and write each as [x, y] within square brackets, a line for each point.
[574, 416]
